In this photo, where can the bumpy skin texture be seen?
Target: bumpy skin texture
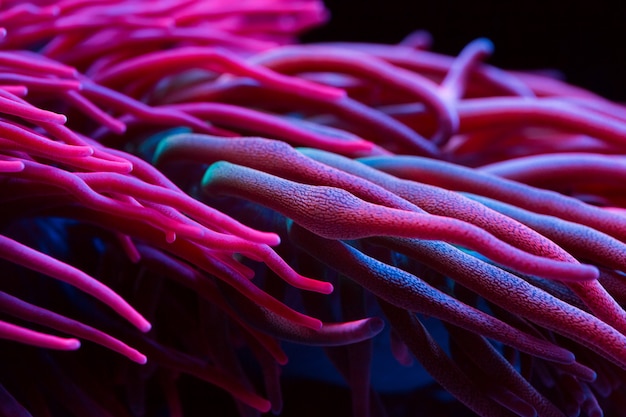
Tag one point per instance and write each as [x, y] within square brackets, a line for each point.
[155, 202]
[408, 292]
[334, 213]
[463, 179]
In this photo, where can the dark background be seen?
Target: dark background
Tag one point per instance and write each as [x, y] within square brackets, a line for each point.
[583, 39]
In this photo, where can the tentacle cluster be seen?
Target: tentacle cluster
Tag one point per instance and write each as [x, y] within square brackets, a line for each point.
[185, 186]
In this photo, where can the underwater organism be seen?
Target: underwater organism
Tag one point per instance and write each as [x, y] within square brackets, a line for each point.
[188, 194]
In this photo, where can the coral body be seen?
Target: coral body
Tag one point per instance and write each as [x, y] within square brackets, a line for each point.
[187, 194]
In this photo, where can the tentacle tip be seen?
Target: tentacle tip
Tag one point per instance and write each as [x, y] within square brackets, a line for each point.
[592, 272]
[119, 127]
[12, 166]
[326, 288]
[72, 344]
[319, 287]
[264, 406]
[376, 325]
[127, 168]
[270, 239]
[364, 145]
[567, 358]
[582, 273]
[314, 324]
[143, 325]
[282, 359]
[331, 93]
[486, 45]
[139, 358]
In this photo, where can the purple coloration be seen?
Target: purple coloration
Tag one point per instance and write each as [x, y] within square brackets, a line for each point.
[448, 214]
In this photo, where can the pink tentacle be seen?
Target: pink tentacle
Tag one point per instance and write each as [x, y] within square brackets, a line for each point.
[336, 214]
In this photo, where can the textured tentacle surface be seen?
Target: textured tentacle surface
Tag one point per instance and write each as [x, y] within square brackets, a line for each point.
[408, 292]
[335, 213]
[450, 226]
[460, 178]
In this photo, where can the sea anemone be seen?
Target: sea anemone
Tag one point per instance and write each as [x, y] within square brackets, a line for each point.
[193, 199]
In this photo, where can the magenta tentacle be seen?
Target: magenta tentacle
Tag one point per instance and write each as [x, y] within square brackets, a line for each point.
[584, 242]
[16, 90]
[197, 255]
[95, 113]
[268, 125]
[440, 201]
[155, 38]
[453, 85]
[142, 111]
[342, 219]
[94, 162]
[329, 334]
[280, 159]
[11, 104]
[102, 190]
[144, 171]
[11, 166]
[80, 190]
[494, 80]
[31, 337]
[208, 216]
[27, 311]
[40, 84]
[31, 140]
[208, 238]
[478, 113]
[457, 178]
[29, 61]
[293, 59]
[177, 60]
[98, 162]
[358, 117]
[408, 292]
[564, 168]
[47, 265]
[511, 293]
[579, 240]
[418, 40]
[206, 288]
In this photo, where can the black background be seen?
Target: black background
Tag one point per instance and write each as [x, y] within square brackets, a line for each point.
[583, 39]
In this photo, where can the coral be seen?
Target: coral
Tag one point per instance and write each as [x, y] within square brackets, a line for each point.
[188, 194]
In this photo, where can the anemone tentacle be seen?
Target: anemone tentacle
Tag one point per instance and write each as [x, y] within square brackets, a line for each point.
[157, 208]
